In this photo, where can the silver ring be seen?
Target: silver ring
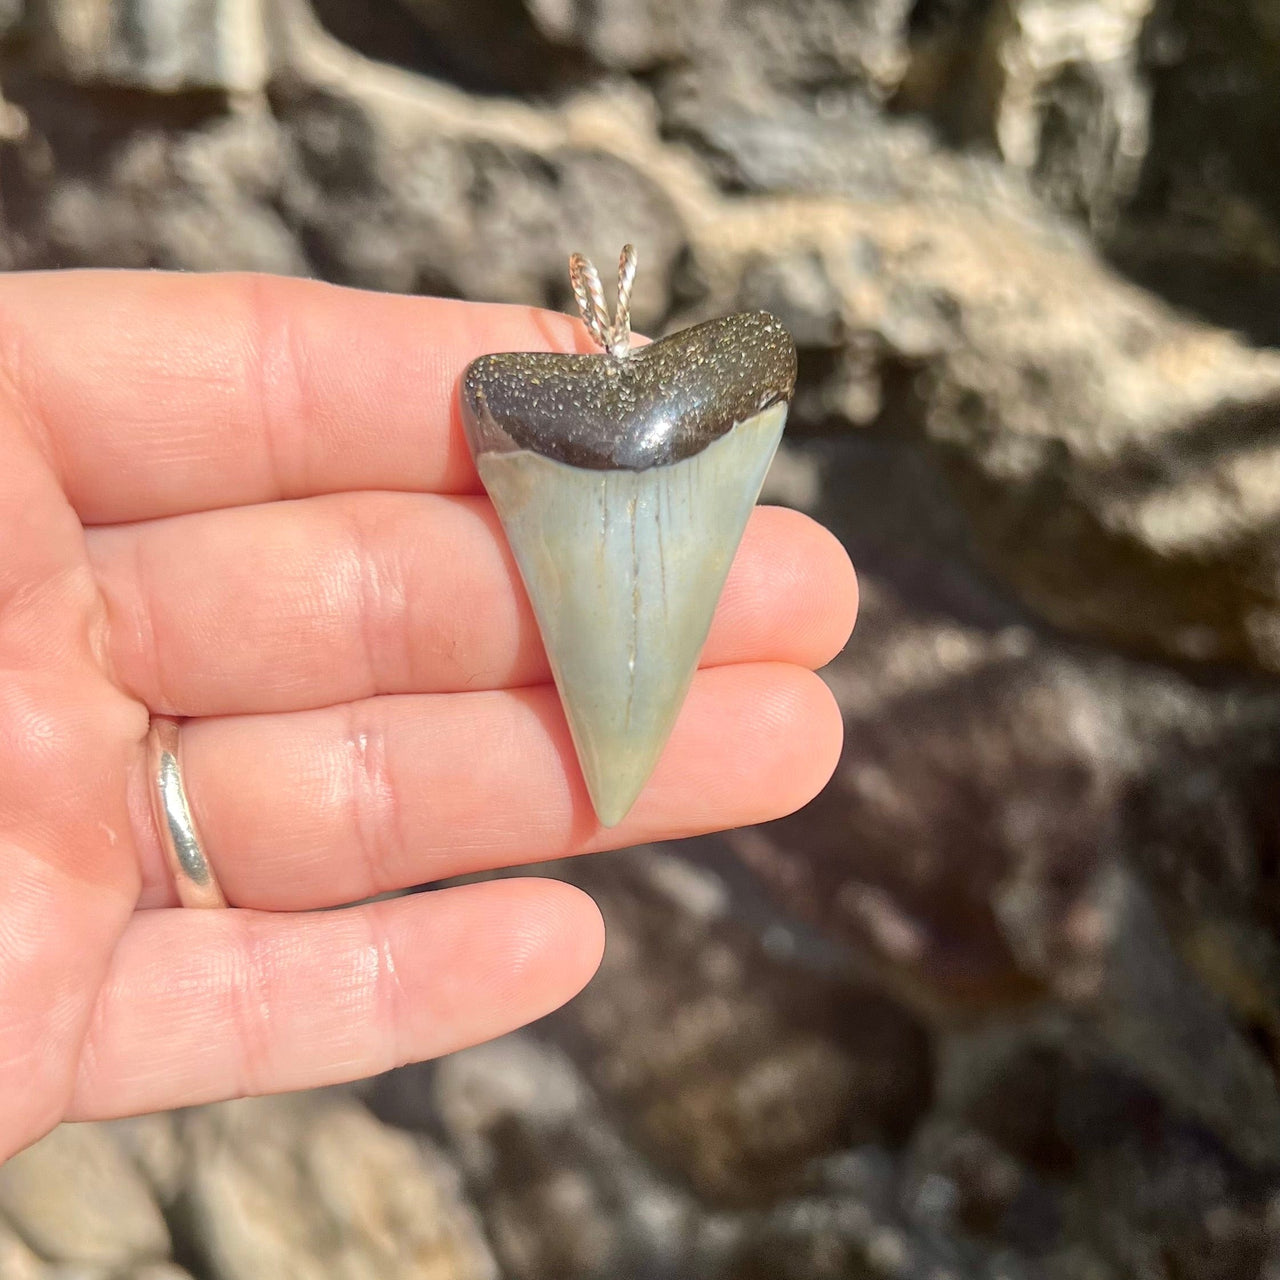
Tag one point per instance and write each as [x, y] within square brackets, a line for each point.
[196, 883]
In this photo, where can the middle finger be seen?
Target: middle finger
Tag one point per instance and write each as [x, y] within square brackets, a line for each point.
[296, 605]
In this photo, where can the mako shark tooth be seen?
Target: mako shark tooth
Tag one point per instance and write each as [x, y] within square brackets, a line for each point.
[624, 569]
[624, 484]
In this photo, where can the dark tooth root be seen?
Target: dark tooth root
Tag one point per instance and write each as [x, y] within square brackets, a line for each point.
[655, 406]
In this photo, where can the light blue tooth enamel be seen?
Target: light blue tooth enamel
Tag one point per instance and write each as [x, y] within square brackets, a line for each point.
[624, 569]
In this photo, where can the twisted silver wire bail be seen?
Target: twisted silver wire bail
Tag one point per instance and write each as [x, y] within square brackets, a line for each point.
[620, 335]
[585, 281]
[614, 336]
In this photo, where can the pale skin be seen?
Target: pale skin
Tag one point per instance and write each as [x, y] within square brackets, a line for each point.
[248, 501]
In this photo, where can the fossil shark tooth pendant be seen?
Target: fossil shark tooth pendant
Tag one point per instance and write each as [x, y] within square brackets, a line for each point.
[624, 481]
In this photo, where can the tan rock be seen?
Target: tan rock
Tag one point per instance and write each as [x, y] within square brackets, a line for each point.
[162, 45]
[76, 1197]
[308, 1186]
[17, 1261]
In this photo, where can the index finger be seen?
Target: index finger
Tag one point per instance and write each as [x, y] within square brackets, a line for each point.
[154, 394]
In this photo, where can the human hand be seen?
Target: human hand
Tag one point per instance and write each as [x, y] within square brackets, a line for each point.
[248, 501]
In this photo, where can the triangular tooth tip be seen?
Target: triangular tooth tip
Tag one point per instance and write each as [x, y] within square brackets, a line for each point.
[611, 810]
[617, 769]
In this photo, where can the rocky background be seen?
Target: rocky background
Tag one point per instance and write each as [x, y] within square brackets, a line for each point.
[1004, 1002]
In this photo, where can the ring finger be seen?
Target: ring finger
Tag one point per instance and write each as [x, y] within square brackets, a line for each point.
[318, 808]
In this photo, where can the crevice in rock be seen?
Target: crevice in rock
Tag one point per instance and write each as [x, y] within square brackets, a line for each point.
[188, 1248]
[1227, 290]
[86, 125]
[486, 46]
[1203, 229]
[950, 79]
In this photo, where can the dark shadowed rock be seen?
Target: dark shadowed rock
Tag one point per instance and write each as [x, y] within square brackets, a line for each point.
[1018, 774]
[562, 1192]
[733, 1067]
[1203, 228]
[392, 203]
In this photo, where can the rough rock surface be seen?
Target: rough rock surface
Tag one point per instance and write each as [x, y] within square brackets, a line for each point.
[300, 1187]
[1004, 1001]
[158, 45]
[116, 1221]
